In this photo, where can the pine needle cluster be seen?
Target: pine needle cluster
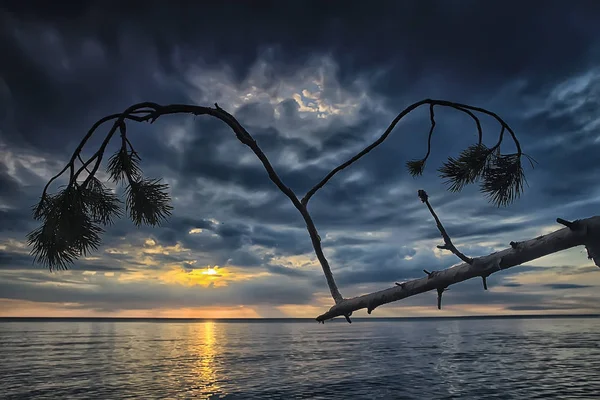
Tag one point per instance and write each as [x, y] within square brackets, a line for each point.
[73, 219]
[501, 175]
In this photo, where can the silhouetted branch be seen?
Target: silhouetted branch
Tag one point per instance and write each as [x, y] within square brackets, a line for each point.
[440, 291]
[147, 199]
[72, 220]
[477, 123]
[447, 242]
[501, 199]
[566, 223]
[587, 234]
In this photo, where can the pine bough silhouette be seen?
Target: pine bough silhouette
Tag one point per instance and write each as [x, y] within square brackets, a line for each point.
[73, 219]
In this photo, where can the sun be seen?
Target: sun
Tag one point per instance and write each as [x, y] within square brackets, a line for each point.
[209, 271]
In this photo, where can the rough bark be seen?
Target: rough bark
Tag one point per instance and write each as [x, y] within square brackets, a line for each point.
[585, 232]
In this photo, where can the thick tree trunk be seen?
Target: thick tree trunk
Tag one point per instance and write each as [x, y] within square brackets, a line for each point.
[585, 232]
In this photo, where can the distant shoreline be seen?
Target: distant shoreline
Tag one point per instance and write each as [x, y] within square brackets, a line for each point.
[271, 320]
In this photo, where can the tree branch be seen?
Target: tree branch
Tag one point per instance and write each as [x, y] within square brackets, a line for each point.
[150, 112]
[88, 204]
[448, 245]
[457, 106]
[585, 232]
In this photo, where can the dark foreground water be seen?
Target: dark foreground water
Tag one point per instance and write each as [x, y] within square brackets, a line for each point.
[436, 359]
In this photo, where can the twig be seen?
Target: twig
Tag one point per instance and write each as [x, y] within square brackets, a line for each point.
[83, 162]
[447, 242]
[440, 291]
[566, 223]
[484, 279]
[77, 152]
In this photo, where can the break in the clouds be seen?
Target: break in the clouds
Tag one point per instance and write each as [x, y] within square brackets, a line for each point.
[313, 83]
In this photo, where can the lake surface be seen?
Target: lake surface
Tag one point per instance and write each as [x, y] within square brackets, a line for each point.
[370, 359]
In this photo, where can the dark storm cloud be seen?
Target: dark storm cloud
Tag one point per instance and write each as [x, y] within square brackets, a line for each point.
[466, 231]
[232, 237]
[20, 261]
[63, 68]
[564, 286]
[16, 221]
[294, 272]
[11, 260]
[9, 187]
[512, 284]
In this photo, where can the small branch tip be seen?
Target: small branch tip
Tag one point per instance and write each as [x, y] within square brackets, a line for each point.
[568, 224]
[448, 245]
[440, 291]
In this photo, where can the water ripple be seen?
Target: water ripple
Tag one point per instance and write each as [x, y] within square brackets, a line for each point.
[443, 359]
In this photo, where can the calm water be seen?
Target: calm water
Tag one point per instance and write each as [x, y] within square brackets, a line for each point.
[438, 359]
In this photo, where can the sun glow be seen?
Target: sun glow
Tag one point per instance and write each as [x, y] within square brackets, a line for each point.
[210, 271]
[209, 276]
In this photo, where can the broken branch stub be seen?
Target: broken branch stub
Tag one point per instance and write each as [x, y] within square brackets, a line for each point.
[592, 245]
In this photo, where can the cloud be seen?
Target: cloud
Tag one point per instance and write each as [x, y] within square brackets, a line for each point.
[313, 91]
[148, 295]
[566, 286]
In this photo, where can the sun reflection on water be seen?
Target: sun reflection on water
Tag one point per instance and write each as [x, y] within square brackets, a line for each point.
[207, 368]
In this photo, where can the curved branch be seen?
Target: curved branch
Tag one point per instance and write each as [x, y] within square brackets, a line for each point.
[77, 152]
[118, 124]
[432, 127]
[477, 122]
[152, 111]
[458, 106]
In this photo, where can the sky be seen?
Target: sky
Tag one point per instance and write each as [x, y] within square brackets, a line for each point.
[314, 83]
